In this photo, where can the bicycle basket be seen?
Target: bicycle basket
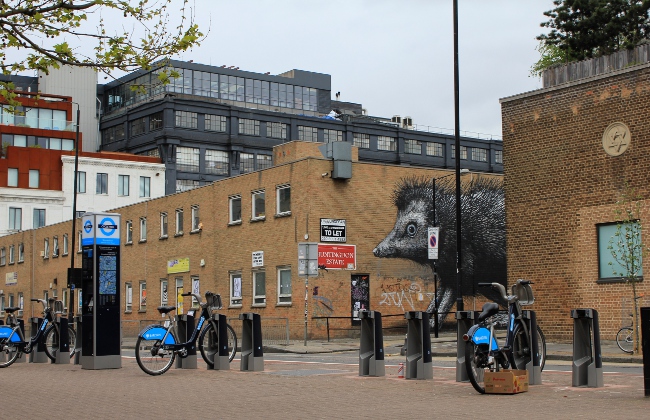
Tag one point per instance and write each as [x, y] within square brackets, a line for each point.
[524, 292]
[214, 301]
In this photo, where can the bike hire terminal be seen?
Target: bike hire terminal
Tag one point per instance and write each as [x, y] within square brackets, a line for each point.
[100, 331]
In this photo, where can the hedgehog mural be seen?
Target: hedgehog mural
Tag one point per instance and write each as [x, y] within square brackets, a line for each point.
[483, 234]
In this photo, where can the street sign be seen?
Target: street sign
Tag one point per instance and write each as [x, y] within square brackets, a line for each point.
[337, 257]
[307, 259]
[432, 242]
[332, 230]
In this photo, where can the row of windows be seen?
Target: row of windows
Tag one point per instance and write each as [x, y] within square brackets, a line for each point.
[12, 177]
[48, 119]
[33, 141]
[195, 224]
[16, 218]
[258, 204]
[218, 162]
[123, 184]
[8, 256]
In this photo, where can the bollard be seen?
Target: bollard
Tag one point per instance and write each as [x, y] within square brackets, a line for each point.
[418, 352]
[38, 354]
[77, 343]
[464, 321]
[587, 365]
[371, 348]
[62, 342]
[533, 367]
[645, 345]
[217, 344]
[252, 354]
[184, 330]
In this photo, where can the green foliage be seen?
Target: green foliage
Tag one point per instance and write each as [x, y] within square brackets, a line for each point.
[24, 24]
[582, 29]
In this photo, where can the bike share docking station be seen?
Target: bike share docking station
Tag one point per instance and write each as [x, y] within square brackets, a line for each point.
[38, 354]
[587, 366]
[464, 321]
[371, 348]
[252, 354]
[101, 338]
[184, 330]
[62, 340]
[218, 346]
[418, 352]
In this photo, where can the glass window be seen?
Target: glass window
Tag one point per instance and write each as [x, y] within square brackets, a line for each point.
[163, 225]
[143, 229]
[362, 141]
[608, 267]
[55, 246]
[123, 185]
[55, 144]
[11, 254]
[196, 223]
[145, 186]
[3, 256]
[65, 244]
[156, 121]
[258, 204]
[284, 285]
[102, 184]
[276, 130]
[137, 126]
[143, 296]
[332, 135]
[498, 156]
[235, 289]
[179, 221]
[46, 248]
[187, 159]
[463, 152]
[129, 231]
[246, 162]
[386, 143]
[45, 118]
[186, 119]
[59, 118]
[67, 144]
[12, 177]
[15, 218]
[235, 208]
[259, 288]
[81, 182]
[307, 133]
[249, 127]
[215, 123]
[479, 155]
[34, 176]
[185, 184]
[39, 218]
[434, 149]
[164, 296]
[264, 161]
[21, 252]
[413, 147]
[128, 297]
[20, 141]
[216, 162]
[283, 199]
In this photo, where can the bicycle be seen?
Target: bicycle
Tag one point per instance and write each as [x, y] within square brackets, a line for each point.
[157, 346]
[12, 341]
[517, 351]
[625, 336]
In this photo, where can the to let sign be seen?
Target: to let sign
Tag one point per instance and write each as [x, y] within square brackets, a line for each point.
[337, 257]
[332, 230]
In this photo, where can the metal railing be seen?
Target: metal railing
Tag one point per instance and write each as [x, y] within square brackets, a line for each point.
[275, 331]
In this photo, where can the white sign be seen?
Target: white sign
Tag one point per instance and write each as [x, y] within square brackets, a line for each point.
[432, 242]
[332, 230]
[11, 279]
[258, 259]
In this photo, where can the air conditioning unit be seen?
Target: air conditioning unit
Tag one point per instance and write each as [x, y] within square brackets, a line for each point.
[407, 122]
[397, 120]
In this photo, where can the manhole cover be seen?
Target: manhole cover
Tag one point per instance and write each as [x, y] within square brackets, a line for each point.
[307, 372]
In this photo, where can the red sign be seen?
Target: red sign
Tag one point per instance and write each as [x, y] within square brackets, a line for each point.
[337, 257]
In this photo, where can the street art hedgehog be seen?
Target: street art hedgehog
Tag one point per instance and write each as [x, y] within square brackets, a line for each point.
[483, 234]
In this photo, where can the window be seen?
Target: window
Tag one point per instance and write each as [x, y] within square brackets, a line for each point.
[123, 185]
[187, 159]
[186, 119]
[215, 123]
[12, 177]
[129, 231]
[46, 248]
[163, 225]
[332, 135]
[137, 126]
[2, 305]
[479, 155]
[276, 130]
[259, 288]
[284, 285]
[81, 182]
[235, 289]
[413, 146]
[249, 127]
[143, 229]
[216, 162]
[196, 288]
[185, 185]
[179, 297]
[257, 200]
[264, 161]
[156, 121]
[307, 133]
[362, 141]
[11, 254]
[608, 267]
[283, 199]
[102, 184]
[34, 178]
[128, 297]
[386, 143]
[21, 252]
[498, 156]
[145, 186]
[463, 152]
[247, 162]
[39, 218]
[65, 244]
[196, 223]
[434, 149]
[55, 247]
[235, 208]
[164, 295]
[179, 221]
[15, 218]
[3, 256]
[143, 296]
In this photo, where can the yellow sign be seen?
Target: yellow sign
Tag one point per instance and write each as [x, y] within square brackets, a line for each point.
[180, 265]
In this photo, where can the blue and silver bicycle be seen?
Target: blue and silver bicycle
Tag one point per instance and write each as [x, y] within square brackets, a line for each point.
[157, 345]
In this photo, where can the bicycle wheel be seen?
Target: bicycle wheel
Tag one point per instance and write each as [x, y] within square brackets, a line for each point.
[476, 357]
[151, 358]
[625, 339]
[209, 336]
[521, 348]
[50, 338]
[8, 353]
[541, 342]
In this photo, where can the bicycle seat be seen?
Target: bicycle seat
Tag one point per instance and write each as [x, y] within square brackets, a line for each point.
[489, 309]
[12, 310]
[165, 309]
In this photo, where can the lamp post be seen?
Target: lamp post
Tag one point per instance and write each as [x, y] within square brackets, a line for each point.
[459, 274]
[72, 251]
[435, 273]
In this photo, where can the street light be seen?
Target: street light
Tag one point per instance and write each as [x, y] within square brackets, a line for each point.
[72, 251]
[435, 274]
[459, 275]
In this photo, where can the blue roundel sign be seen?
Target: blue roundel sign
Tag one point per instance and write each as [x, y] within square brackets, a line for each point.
[107, 226]
[88, 226]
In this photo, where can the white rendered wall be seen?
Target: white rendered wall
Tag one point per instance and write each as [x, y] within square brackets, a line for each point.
[29, 199]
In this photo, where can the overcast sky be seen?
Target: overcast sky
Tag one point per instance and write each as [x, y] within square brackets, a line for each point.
[394, 57]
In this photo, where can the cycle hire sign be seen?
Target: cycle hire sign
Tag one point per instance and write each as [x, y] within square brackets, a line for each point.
[100, 229]
[432, 242]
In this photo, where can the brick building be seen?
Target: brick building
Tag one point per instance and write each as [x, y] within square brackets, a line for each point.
[566, 165]
[210, 234]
